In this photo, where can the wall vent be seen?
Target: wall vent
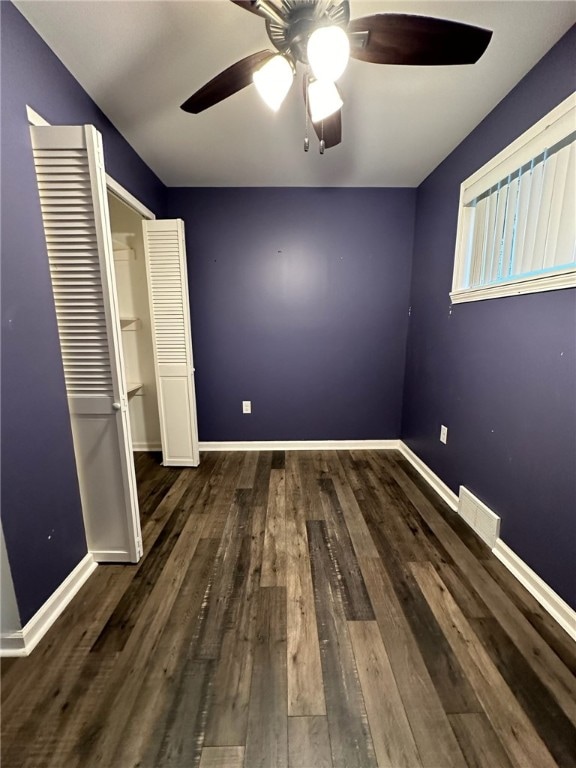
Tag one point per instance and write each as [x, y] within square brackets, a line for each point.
[481, 519]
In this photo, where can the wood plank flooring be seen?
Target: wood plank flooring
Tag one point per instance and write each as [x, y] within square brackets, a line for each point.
[296, 610]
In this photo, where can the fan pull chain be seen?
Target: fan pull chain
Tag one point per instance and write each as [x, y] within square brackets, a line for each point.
[306, 139]
[322, 142]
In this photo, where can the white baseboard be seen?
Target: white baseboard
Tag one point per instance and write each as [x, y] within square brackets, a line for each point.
[548, 599]
[439, 486]
[22, 643]
[138, 447]
[111, 556]
[302, 445]
[538, 588]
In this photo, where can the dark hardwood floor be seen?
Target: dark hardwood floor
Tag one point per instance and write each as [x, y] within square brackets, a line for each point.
[298, 610]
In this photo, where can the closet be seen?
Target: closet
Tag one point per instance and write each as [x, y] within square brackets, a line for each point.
[135, 324]
[121, 298]
[152, 294]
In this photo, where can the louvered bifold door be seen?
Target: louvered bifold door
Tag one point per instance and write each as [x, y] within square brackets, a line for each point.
[172, 340]
[72, 186]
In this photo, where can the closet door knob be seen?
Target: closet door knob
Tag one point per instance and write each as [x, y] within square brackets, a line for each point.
[116, 406]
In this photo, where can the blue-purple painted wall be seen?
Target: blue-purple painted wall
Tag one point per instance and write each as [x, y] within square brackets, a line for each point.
[41, 513]
[500, 374]
[299, 303]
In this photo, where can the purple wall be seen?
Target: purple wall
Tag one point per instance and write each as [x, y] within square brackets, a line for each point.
[300, 304]
[501, 374]
[41, 513]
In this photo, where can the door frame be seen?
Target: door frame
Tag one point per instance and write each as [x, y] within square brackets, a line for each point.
[128, 198]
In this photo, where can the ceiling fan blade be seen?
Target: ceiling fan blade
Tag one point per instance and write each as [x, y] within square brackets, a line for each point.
[228, 82]
[329, 129]
[391, 38]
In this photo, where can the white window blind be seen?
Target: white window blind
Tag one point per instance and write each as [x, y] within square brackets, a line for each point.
[517, 230]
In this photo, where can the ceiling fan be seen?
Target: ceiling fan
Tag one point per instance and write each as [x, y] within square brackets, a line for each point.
[320, 35]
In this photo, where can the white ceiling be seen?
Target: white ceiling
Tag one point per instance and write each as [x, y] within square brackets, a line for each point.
[140, 60]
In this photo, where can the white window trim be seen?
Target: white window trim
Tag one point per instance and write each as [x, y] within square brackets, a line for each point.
[549, 130]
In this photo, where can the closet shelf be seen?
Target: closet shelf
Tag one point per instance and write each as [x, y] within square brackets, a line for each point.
[133, 386]
[122, 251]
[130, 323]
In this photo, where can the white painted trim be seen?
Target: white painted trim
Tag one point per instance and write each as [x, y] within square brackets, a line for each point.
[548, 599]
[433, 480]
[9, 613]
[23, 643]
[113, 555]
[551, 128]
[303, 445]
[142, 447]
[553, 282]
[127, 197]
[12, 645]
[34, 118]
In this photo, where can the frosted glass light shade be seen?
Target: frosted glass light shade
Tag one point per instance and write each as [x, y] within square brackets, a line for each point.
[328, 52]
[324, 99]
[273, 81]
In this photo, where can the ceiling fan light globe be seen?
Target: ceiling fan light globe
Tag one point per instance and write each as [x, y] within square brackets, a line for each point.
[324, 99]
[273, 81]
[328, 52]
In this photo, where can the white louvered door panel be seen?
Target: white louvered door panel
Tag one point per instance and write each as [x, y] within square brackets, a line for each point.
[72, 186]
[172, 340]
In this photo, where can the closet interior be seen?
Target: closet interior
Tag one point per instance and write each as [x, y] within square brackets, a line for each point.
[134, 309]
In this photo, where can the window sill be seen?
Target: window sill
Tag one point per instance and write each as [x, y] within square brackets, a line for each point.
[515, 288]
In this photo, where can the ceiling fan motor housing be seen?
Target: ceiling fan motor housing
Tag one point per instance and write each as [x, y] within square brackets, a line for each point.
[381, 38]
[302, 18]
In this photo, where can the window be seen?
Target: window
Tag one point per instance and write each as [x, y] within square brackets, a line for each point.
[516, 224]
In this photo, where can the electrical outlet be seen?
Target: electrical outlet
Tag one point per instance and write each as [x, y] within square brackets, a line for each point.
[443, 434]
[246, 406]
